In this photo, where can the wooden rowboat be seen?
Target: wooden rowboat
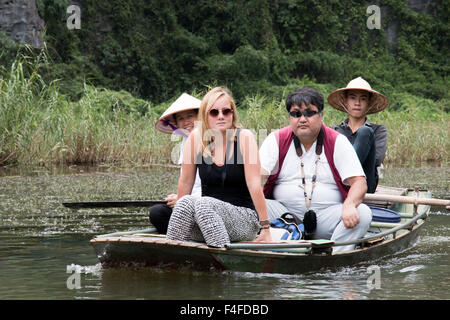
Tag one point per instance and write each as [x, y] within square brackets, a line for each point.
[146, 248]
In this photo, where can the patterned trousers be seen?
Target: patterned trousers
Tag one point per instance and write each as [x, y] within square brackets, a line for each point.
[212, 221]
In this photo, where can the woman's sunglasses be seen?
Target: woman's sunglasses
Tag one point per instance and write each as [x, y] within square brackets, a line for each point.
[307, 113]
[215, 112]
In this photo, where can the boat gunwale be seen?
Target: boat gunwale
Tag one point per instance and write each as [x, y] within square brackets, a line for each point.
[190, 245]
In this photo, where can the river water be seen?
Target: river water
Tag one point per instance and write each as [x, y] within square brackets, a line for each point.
[42, 244]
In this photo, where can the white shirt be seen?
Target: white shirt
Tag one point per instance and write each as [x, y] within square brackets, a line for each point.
[289, 189]
[197, 188]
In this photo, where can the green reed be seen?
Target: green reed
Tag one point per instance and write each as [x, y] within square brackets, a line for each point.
[40, 126]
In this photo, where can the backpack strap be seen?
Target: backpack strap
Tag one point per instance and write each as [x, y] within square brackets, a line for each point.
[329, 142]
[284, 138]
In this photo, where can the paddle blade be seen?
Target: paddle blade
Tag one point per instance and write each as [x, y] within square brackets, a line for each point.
[111, 204]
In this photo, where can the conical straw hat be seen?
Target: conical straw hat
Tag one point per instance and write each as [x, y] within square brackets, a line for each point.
[183, 103]
[377, 103]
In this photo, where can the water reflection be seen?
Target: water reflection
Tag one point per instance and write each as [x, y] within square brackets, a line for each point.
[152, 283]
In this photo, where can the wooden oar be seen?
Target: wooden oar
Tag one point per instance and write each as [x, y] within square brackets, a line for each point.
[408, 199]
[112, 204]
[149, 203]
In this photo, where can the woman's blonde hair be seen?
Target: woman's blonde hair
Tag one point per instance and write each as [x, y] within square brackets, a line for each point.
[207, 102]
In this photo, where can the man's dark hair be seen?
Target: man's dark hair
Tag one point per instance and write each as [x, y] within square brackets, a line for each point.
[307, 96]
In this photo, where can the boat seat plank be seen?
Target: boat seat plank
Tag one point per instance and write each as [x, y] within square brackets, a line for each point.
[386, 190]
[391, 190]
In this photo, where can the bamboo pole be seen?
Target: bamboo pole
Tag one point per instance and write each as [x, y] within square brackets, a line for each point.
[407, 199]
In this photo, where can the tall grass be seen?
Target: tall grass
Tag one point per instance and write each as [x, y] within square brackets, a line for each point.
[40, 126]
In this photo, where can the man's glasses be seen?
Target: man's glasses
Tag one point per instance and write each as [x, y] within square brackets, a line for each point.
[215, 112]
[307, 113]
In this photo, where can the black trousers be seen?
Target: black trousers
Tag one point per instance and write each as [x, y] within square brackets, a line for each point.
[364, 145]
[160, 216]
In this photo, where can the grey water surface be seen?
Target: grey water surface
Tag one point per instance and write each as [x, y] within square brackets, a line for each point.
[42, 244]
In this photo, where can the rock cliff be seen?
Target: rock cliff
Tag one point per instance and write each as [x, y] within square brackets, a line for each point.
[19, 19]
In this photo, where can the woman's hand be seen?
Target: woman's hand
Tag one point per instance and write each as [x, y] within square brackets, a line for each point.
[171, 200]
[264, 235]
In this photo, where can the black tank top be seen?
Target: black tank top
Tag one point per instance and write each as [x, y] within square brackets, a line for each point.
[227, 182]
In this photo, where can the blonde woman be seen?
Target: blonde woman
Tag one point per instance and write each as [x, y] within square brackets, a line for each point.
[232, 206]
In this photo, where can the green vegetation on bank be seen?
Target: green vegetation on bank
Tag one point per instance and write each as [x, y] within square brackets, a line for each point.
[93, 95]
[40, 125]
[157, 49]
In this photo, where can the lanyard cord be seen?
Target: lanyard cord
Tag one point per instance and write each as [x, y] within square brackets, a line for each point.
[298, 148]
[313, 182]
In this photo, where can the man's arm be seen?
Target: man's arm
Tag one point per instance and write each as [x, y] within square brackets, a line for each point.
[268, 155]
[358, 188]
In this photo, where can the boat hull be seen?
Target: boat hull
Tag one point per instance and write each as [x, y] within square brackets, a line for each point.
[145, 248]
[156, 251]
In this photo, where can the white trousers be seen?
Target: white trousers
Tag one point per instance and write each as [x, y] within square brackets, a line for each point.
[329, 223]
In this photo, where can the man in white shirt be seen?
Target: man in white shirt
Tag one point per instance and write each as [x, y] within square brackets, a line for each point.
[312, 169]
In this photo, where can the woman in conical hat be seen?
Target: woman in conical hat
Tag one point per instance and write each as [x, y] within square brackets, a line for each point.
[185, 105]
[358, 100]
[179, 119]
